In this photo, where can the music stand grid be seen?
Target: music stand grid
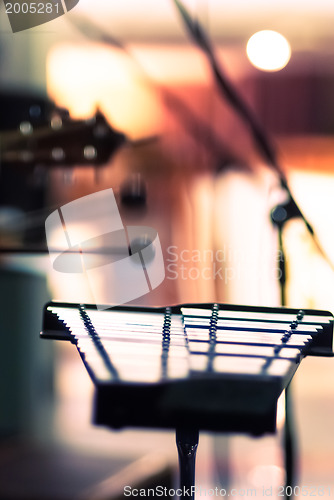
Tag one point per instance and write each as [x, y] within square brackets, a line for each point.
[154, 346]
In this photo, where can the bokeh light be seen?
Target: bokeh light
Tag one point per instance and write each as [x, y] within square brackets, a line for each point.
[268, 50]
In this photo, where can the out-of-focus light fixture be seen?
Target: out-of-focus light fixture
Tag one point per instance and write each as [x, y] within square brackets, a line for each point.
[268, 50]
[87, 77]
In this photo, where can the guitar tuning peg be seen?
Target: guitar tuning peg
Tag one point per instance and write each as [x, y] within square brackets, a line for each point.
[26, 128]
[90, 152]
[58, 154]
[35, 111]
[56, 122]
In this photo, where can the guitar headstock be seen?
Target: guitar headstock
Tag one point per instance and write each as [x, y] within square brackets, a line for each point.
[62, 142]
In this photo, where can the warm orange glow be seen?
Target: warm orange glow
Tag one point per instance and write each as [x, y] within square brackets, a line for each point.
[83, 78]
[125, 86]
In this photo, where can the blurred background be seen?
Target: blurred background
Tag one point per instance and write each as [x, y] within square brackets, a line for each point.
[117, 95]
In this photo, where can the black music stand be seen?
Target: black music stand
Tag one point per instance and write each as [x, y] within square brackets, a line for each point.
[209, 396]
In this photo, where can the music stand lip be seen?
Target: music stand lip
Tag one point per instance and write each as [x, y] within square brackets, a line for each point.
[122, 406]
[321, 346]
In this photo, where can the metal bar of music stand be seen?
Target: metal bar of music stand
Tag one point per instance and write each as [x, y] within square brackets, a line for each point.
[187, 442]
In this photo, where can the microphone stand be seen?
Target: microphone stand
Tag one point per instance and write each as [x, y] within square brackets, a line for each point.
[281, 214]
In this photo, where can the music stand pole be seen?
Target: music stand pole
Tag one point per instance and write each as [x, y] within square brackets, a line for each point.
[187, 442]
